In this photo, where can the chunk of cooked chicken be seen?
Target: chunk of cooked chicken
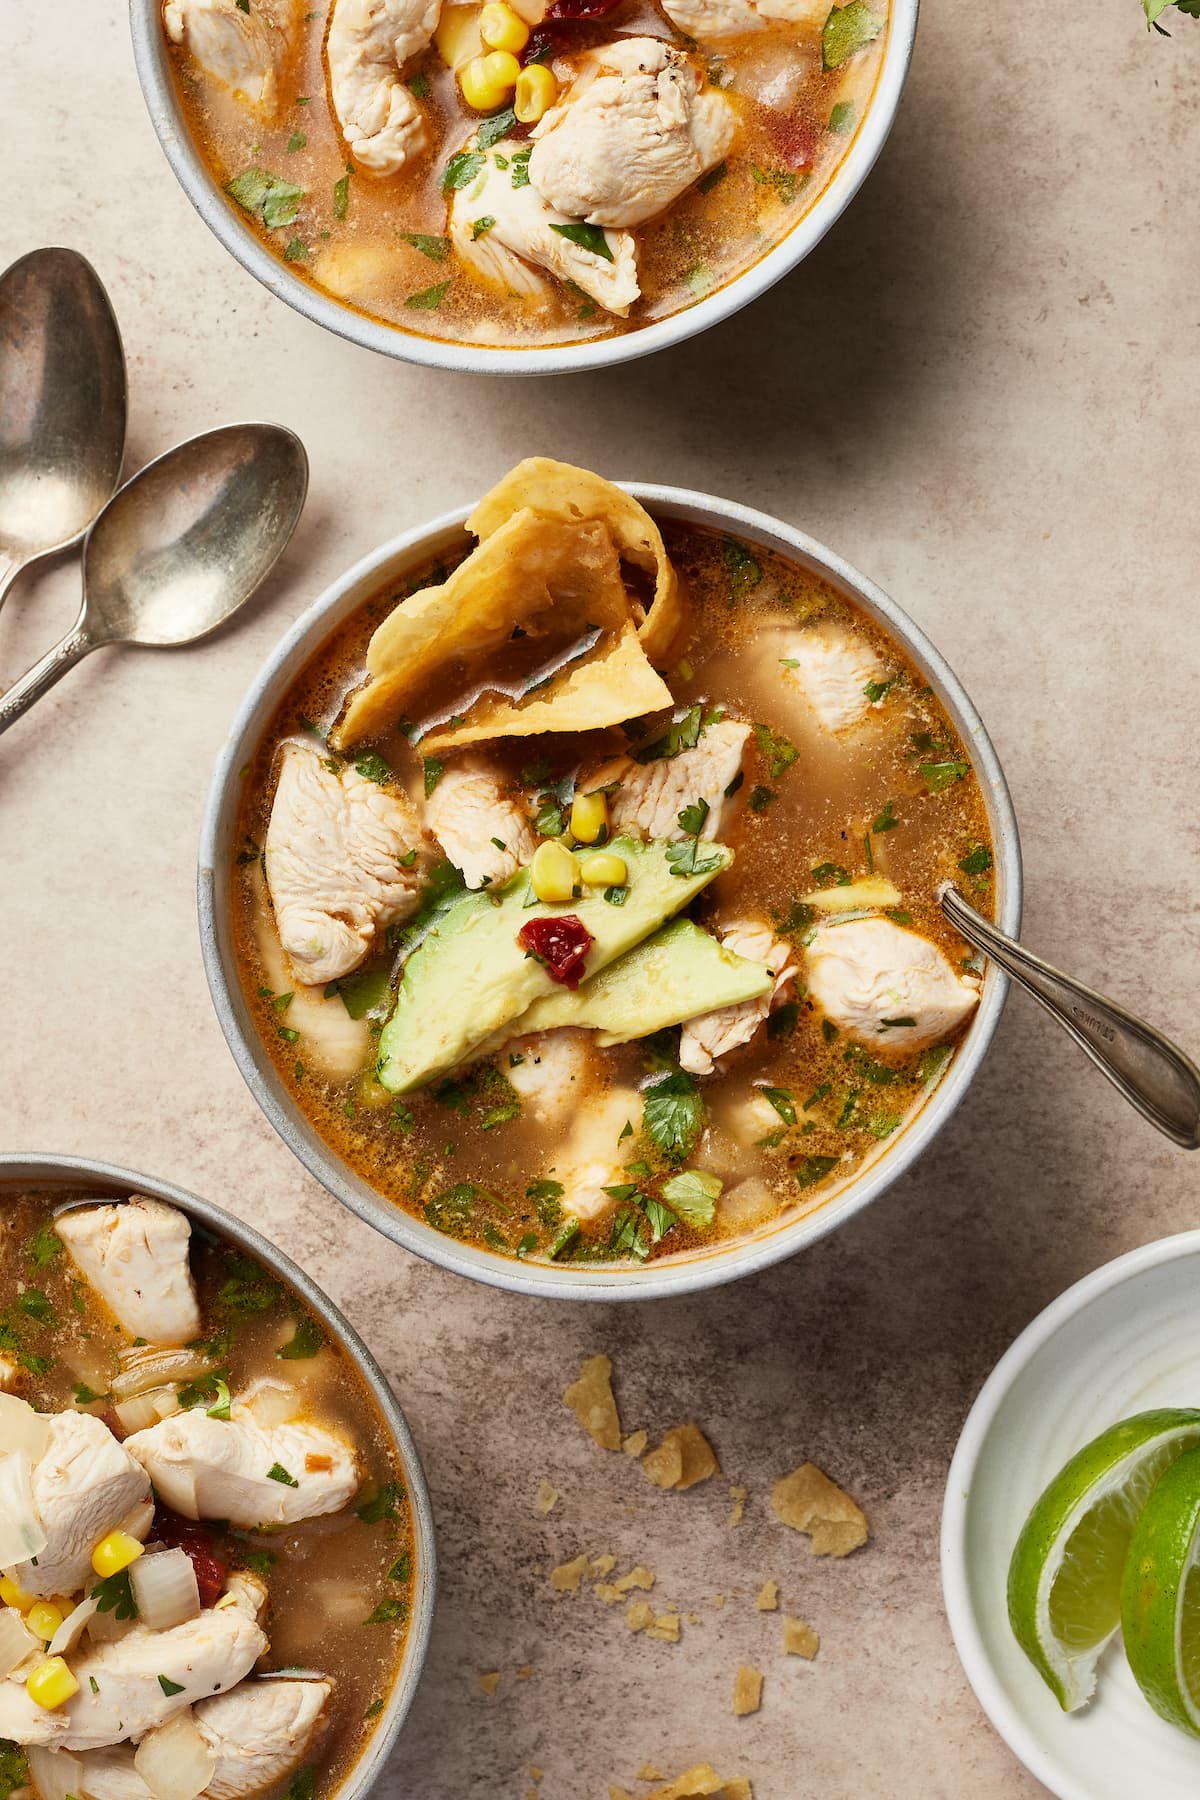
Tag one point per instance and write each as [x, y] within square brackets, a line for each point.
[335, 863]
[482, 829]
[526, 229]
[706, 19]
[712, 1035]
[246, 48]
[123, 1685]
[629, 135]
[552, 1072]
[368, 44]
[330, 1040]
[84, 1485]
[591, 1159]
[651, 795]
[890, 987]
[258, 1732]
[135, 1256]
[236, 1469]
[831, 666]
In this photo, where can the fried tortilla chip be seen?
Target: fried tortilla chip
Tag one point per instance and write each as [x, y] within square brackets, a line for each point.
[767, 1599]
[635, 1443]
[800, 1639]
[695, 1783]
[591, 1400]
[808, 1501]
[553, 579]
[738, 1496]
[547, 1496]
[489, 1683]
[567, 1577]
[747, 1690]
[559, 491]
[684, 1457]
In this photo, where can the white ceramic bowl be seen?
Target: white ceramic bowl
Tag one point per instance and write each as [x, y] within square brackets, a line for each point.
[154, 73]
[1120, 1341]
[219, 845]
[105, 1180]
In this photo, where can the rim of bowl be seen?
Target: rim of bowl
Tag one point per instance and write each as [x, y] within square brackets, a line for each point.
[166, 115]
[218, 846]
[956, 1586]
[48, 1168]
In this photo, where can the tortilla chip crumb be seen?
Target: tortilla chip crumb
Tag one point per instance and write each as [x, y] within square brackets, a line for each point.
[547, 1496]
[808, 1501]
[800, 1639]
[768, 1597]
[736, 1790]
[693, 1618]
[567, 1577]
[591, 1400]
[489, 1683]
[718, 1599]
[535, 1772]
[636, 1578]
[648, 1772]
[693, 1784]
[602, 1566]
[531, 1794]
[639, 1614]
[684, 1458]
[635, 1443]
[665, 1629]
[619, 1794]
[607, 1593]
[525, 1671]
[738, 1496]
[747, 1691]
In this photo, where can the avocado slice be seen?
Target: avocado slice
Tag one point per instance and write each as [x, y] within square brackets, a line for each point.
[470, 976]
[679, 972]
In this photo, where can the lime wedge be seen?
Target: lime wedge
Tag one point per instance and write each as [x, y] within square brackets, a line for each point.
[1064, 1580]
[1160, 1596]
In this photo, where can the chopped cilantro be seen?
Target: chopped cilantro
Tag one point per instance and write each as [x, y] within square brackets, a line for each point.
[461, 170]
[828, 1030]
[782, 180]
[296, 142]
[302, 1785]
[588, 237]
[782, 1022]
[373, 1711]
[277, 1472]
[693, 1194]
[38, 1306]
[259, 1562]
[682, 734]
[437, 249]
[304, 1342]
[819, 1093]
[275, 201]
[977, 861]
[684, 859]
[86, 1396]
[44, 1246]
[500, 1115]
[761, 797]
[419, 85]
[875, 690]
[115, 1595]
[939, 775]
[897, 915]
[884, 1125]
[434, 771]
[341, 196]
[384, 1503]
[783, 1100]
[401, 1569]
[480, 226]
[692, 818]
[745, 570]
[815, 1168]
[616, 896]
[673, 1114]
[933, 1061]
[498, 126]
[887, 820]
[713, 178]
[841, 120]
[387, 1610]
[847, 30]
[830, 874]
[169, 1687]
[429, 299]
[566, 1231]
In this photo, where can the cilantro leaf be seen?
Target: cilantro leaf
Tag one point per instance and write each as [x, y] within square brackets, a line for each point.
[275, 201]
[384, 1504]
[693, 817]
[387, 1610]
[978, 859]
[588, 237]
[277, 1472]
[783, 1100]
[779, 751]
[847, 30]
[693, 1194]
[682, 734]
[44, 1246]
[814, 1169]
[498, 126]
[304, 1342]
[745, 570]
[437, 249]
[461, 170]
[673, 1114]
[940, 775]
[429, 299]
[115, 1595]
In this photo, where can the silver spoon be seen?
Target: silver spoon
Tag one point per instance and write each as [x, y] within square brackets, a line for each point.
[180, 547]
[1152, 1073]
[62, 406]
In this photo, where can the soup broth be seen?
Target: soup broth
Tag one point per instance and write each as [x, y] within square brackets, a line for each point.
[796, 95]
[337, 1586]
[870, 820]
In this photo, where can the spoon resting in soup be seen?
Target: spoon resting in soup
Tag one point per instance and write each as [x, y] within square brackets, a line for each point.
[205, 1548]
[586, 898]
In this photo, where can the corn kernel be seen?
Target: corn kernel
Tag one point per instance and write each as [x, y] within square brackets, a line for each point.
[589, 818]
[51, 1684]
[12, 1595]
[487, 81]
[114, 1553]
[501, 28]
[605, 870]
[537, 90]
[553, 872]
[457, 36]
[43, 1620]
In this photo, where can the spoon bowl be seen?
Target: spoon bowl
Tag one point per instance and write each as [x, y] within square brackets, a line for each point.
[62, 405]
[180, 548]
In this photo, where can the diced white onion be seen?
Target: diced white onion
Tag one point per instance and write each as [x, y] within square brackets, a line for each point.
[21, 1428]
[174, 1761]
[21, 1533]
[56, 1774]
[269, 1403]
[141, 1411]
[165, 1589]
[16, 1641]
[106, 1628]
[148, 1367]
[71, 1629]
[138, 1522]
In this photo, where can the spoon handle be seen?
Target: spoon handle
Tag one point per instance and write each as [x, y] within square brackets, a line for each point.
[10, 568]
[1152, 1073]
[43, 675]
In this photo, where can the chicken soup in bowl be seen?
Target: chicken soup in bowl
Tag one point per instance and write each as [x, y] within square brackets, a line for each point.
[575, 913]
[215, 1545]
[521, 186]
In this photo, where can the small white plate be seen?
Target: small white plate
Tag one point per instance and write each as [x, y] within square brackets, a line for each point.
[1120, 1341]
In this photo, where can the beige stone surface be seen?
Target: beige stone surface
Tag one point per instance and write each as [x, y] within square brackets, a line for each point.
[982, 388]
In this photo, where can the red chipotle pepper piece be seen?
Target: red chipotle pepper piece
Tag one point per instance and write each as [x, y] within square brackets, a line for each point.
[199, 1545]
[559, 944]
